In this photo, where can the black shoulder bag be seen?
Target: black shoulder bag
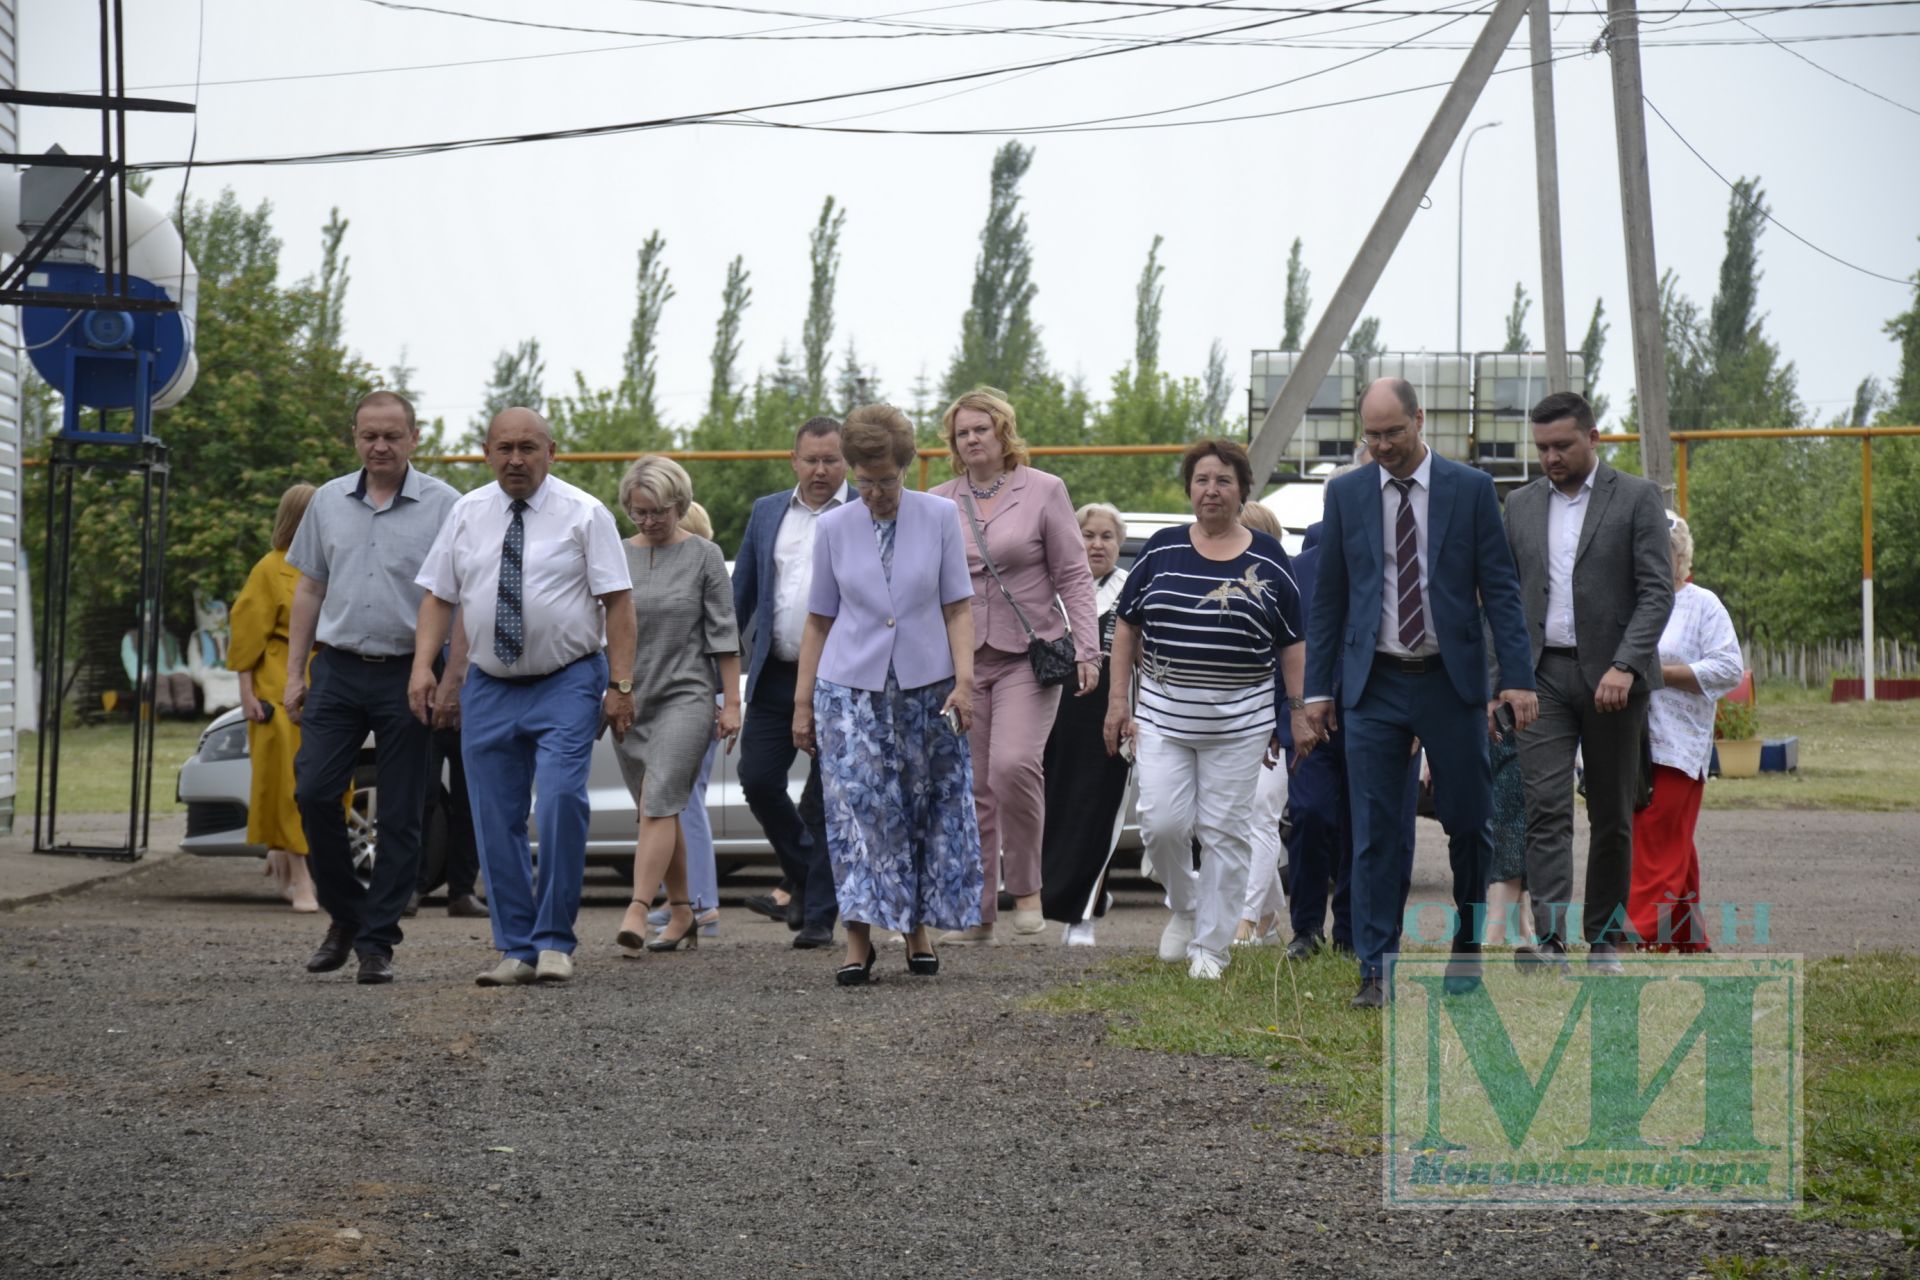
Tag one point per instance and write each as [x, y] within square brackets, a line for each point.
[1051, 660]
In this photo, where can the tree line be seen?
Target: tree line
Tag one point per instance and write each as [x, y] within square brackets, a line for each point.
[1777, 523]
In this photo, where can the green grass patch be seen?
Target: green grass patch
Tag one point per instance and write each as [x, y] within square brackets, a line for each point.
[1861, 1057]
[1853, 755]
[96, 766]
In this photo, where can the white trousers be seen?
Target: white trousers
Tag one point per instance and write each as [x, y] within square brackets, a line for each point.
[1264, 895]
[1200, 788]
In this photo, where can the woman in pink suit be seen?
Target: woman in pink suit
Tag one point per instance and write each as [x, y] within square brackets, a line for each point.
[1023, 520]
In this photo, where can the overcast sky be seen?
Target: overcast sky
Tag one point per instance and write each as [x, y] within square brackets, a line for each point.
[456, 256]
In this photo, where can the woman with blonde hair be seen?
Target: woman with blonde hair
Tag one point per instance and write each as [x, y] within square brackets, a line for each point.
[257, 650]
[688, 651]
[1034, 629]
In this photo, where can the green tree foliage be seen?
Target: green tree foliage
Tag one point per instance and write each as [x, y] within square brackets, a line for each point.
[1592, 352]
[1216, 389]
[1298, 300]
[1903, 406]
[816, 339]
[1365, 345]
[1517, 321]
[519, 381]
[330, 290]
[773, 408]
[272, 407]
[999, 342]
[724, 391]
[858, 384]
[641, 368]
[1146, 313]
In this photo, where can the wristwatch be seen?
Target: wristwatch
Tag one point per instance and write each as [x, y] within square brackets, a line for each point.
[1621, 666]
[620, 686]
[1296, 704]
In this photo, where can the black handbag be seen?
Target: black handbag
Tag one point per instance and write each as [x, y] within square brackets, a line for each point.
[1051, 660]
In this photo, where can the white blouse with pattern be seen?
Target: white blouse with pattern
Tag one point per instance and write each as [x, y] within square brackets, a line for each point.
[1680, 723]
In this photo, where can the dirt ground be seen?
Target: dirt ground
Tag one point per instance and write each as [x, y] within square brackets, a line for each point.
[179, 1098]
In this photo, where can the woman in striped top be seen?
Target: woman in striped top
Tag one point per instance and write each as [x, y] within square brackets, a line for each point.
[1212, 617]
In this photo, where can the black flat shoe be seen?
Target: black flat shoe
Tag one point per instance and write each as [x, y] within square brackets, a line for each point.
[923, 963]
[688, 937]
[334, 950]
[762, 904]
[374, 970]
[856, 975]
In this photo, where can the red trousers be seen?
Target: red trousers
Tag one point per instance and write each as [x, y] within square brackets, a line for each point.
[1664, 904]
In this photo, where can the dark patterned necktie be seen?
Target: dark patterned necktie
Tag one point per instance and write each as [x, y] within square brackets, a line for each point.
[1406, 541]
[509, 622]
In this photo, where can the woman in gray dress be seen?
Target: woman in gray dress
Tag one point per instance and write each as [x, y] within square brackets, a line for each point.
[688, 651]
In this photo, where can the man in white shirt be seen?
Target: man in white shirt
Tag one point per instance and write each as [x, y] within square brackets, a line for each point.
[771, 576]
[1591, 546]
[536, 569]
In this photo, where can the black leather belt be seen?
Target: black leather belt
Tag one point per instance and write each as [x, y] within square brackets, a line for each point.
[1561, 651]
[368, 657]
[1408, 666]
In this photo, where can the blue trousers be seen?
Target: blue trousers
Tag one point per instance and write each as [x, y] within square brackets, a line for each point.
[1379, 729]
[518, 737]
[1320, 842]
[348, 697]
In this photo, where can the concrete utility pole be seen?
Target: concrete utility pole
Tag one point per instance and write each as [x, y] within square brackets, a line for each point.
[1343, 309]
[1546, 172]
[1643, 277]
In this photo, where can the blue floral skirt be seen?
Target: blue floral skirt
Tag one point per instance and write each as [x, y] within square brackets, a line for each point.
[898, 787]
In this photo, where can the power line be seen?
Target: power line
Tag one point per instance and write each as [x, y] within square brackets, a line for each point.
[1828, 71]
[1762, 210]
[464, 144]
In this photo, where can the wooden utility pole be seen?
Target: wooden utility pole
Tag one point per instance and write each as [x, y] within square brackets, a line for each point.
[1343, 309]
[1643, 276]
[1546, 172]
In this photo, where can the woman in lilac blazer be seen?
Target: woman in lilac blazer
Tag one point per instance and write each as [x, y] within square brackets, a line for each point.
[1026, 521]
[884, 698]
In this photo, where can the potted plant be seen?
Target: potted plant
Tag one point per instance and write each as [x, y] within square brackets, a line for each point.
[1736, 733]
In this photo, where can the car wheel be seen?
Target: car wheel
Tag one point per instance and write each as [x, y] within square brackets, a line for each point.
[363, 831]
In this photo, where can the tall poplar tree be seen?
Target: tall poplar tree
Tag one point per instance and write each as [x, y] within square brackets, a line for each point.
[999, 342]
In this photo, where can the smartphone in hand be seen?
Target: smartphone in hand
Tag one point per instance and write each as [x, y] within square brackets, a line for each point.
[952, 716]
[1503, 721]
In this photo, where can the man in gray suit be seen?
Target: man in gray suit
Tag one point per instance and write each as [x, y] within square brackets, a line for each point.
[1597, 584]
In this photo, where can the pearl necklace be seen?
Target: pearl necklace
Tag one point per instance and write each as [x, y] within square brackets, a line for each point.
[988, 492]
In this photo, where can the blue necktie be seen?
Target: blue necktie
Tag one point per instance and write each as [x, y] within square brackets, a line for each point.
[509, 623]
[883, 530]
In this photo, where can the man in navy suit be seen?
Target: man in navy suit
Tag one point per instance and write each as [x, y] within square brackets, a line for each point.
[1319, 839]
[1413, 551]
[771, 576]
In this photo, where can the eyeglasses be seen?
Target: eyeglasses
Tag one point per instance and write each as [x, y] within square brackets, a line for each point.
[887, 485]
[1375, 439]
[647, 515]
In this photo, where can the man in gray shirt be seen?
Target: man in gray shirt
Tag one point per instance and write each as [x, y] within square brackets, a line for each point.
[358, 551]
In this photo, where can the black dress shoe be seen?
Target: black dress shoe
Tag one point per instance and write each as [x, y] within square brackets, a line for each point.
[856, 975]
[466, 906]
[763, 904]
[796, 913]
[1372, 995]
[1303, 946]
[812, 937]
[374, 969]
[1548, 957]
[334, 950]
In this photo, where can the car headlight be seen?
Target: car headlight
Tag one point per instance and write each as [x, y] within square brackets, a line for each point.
[229, 742]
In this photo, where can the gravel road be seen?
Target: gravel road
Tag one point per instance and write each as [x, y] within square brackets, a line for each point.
[178, 1097]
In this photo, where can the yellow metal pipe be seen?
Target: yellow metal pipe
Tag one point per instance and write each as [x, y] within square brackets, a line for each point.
[1680, 479]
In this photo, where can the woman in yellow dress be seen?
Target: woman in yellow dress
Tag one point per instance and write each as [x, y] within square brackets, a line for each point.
[258, 651]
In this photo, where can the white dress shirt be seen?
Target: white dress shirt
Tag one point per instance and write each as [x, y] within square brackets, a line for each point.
[1679, 721]
[1389, 639]
[793, 570]
[1565, 515]
[570, 556]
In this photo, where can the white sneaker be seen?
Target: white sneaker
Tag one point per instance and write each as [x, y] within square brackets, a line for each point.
[554, 966]
[508, 973]
[1079, 934]
[1175, 937]
[1205, 967]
